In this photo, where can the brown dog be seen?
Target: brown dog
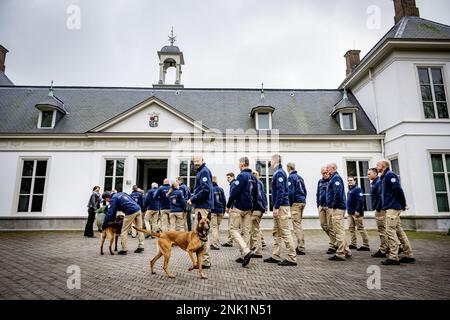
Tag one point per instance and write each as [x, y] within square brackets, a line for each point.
[192, 242]
[113, 229]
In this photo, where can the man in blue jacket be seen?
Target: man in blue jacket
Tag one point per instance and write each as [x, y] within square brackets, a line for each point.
[123, 202]
[151, 206]
[326, 220]
[177, 208]
[243, 199]
[161, 196]
[230, 178]
[217, 214]
[380, 214]
[394, 202]
[187, 195]
[202, 199]
[297, 201]
[336, 203]
[355, 210]
[261, 208]
[281, 231]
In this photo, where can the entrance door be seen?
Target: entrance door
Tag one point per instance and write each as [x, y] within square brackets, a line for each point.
[149, 171]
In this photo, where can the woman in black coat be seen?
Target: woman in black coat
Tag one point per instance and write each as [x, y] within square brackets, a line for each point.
[93, 205]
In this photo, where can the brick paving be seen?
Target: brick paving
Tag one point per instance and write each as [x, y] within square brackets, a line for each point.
[33, 266]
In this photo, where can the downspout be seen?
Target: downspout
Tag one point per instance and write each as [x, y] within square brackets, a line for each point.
[375, 100]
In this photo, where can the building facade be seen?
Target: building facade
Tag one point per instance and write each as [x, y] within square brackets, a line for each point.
[57, 143]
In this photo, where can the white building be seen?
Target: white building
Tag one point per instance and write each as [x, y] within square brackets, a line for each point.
[57, 143]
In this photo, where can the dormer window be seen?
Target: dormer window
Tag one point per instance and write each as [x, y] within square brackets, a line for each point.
[345, 113]
[51, 109]
[47, 119]
[263, 117]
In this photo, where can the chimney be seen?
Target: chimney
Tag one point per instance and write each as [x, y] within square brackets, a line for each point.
[3, 52]
[352, 59]
[405, 8]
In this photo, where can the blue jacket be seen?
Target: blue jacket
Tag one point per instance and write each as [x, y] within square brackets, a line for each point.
[244, 193]
[355, 200]
[375, 194]
[177, 201]
[262, 198]
[120, 202]
[392, 195]
[161, 196]
[321, 193]
[232, 184]
[219, 199]
[297, 189]
[186, 193]
[280, 192]
[150, 202]
[139, 198]
[203, 196]
[336, 192]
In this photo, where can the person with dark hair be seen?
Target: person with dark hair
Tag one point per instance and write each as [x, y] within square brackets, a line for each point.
[187, 209]
[151, 206]
[297, 200]
[217, 214]
[261, 208]
[355, 210]
[230, 179]
[177, 206]
[93, 205]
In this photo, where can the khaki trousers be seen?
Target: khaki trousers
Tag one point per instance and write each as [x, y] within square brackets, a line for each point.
[255, 233]
[380, 217]
[165, 220]
[151, 220]
[176, 221]
[281, 232]
[241, 219]
[326, 222]
[216, 220]
[297, 217]
[395, 234]
[126, 226]
[342, 250]
[230, 237]
[204, 212]
[356, 224]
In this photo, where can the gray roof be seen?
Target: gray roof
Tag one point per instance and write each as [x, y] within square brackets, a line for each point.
[4, 80]
[52, 101]
[170, 49]
[297, 112]
[407, 29]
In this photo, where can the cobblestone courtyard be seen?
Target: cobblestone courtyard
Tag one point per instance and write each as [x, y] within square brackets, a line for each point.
[33, 265]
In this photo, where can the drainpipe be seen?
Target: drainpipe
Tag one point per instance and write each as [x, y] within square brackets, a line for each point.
[374, 92]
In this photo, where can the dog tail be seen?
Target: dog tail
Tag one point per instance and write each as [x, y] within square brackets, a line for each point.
[147, 232]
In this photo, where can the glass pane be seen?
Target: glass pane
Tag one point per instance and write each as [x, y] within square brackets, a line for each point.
[439, 182]
[439, 93]
[447, 160]
[437, 76]
[41, 168]
[119, 184]
[442, 202]
[436, 161]
[119, 168]
[347, 119]
[23, 203]
[367, 203]
[429, 110]
[426, 93]
[263, 119]
[351, 168]
[36, 204]
[442, 110]
[108, 184]
[183, 168]
[261, 167]
[28, 168]
[365, 185]
[193, 171]
[39, 185]
[47, 119]
[25, 186]
[363, 167]
[109, 171]
[423, 76]
[395, 166]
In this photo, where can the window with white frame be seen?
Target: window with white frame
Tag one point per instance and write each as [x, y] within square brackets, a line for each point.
[188, 173]
[432, 88]
[395, 167]
[46, 119]
[348, 121]
[265, 175]
[263, 121]
[114, 173]
[32, 185]
[358, 169]
[441, 175]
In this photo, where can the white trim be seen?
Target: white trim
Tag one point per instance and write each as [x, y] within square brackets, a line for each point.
[341, 120]
[40, 120]
[257, 121]
[103, 170]
[446, 173]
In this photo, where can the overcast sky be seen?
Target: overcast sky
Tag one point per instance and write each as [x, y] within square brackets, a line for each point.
[226, 43]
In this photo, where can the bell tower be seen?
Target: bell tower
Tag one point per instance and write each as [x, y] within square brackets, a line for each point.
[170, 56]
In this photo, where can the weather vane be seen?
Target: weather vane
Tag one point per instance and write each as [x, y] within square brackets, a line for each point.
[262, 91]
[172, 37]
